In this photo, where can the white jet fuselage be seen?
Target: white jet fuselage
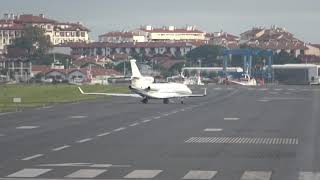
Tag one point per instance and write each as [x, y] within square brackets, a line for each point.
[160, 90]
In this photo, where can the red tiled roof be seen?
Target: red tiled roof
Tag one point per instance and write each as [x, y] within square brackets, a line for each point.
[119, 34]
[29, 18]
[129, 45]
[166, 30]
[316, 45]
[40, 68]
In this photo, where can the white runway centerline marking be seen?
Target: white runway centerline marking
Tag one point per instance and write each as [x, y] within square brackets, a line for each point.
[134, 124]
[157, 117]
[101, 165]
[213, 129]
[147, 120]
[61, 148]
[86, 173]
[27, 127]
[104, 134]
[263, 100]
[119, 129]
[143, 174]
[256, 175]
[78, 117]
[84, 140]
[29, 173]
[231, 119]
[32, 157]
[200, 175]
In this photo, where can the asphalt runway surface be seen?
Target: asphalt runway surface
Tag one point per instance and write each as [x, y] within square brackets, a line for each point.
[234, 133]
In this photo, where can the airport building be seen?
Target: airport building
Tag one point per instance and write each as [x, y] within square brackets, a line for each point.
[296, 73]
[133, 48]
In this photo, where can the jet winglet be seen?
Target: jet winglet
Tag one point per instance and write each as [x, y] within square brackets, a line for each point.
[81, 90]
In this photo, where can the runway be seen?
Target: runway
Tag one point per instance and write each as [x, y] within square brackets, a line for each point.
[234, 133]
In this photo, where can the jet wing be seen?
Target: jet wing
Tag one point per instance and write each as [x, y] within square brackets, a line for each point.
[196, 95]
[110, 94]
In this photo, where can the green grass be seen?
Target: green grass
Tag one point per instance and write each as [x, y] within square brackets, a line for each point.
[40, 95]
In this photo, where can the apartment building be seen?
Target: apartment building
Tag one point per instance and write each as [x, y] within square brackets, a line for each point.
[172, 33]
[122, 37]
[11, 27]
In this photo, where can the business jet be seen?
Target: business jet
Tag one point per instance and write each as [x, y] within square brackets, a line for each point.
[145, 88]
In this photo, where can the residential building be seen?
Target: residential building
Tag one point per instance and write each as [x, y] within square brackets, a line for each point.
[223, 39]
[171, 33]
[8, 32]
[313, 50]
[17, 69]
[274, 38]
[11, 27]
[122, 37]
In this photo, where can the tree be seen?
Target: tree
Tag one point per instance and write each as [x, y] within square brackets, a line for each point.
[120, 67]
[34, 41]
[207, 53]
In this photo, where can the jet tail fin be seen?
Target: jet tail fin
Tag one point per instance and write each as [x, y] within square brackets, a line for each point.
[135, 70]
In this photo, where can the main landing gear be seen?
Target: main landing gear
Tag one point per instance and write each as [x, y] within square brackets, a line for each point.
[165, 101]
[144, 100]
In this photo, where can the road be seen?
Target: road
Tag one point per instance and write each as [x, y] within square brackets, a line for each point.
[234, 133]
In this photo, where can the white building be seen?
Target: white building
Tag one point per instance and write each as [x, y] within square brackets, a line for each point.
[297, 73]
[121, 37]
[171, 33]
[12, 26]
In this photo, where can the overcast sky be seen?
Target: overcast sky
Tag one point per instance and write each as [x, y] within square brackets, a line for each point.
[301, 17]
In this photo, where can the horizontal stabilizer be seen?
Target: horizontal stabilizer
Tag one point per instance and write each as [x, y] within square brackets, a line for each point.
[110, 94]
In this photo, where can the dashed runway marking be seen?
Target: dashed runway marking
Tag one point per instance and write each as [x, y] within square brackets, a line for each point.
[243, 140]
[27, 127]
[61, 148]
[157, 117]
[119, 129]
[263, 100]
[143, 174]
[256, 175]
[84, 140]
[309, 176]
[213, 130]
[147, 120]
[86, 173]
[134, 124]
[200, 175]
[231, 119]
[29, 173]
[104, 134]
[78, 117]
[32, 157]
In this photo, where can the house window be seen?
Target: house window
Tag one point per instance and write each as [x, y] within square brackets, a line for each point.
[83, 34]
[318, 71]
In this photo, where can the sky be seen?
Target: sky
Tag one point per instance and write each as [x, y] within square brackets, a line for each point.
[300, 17]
